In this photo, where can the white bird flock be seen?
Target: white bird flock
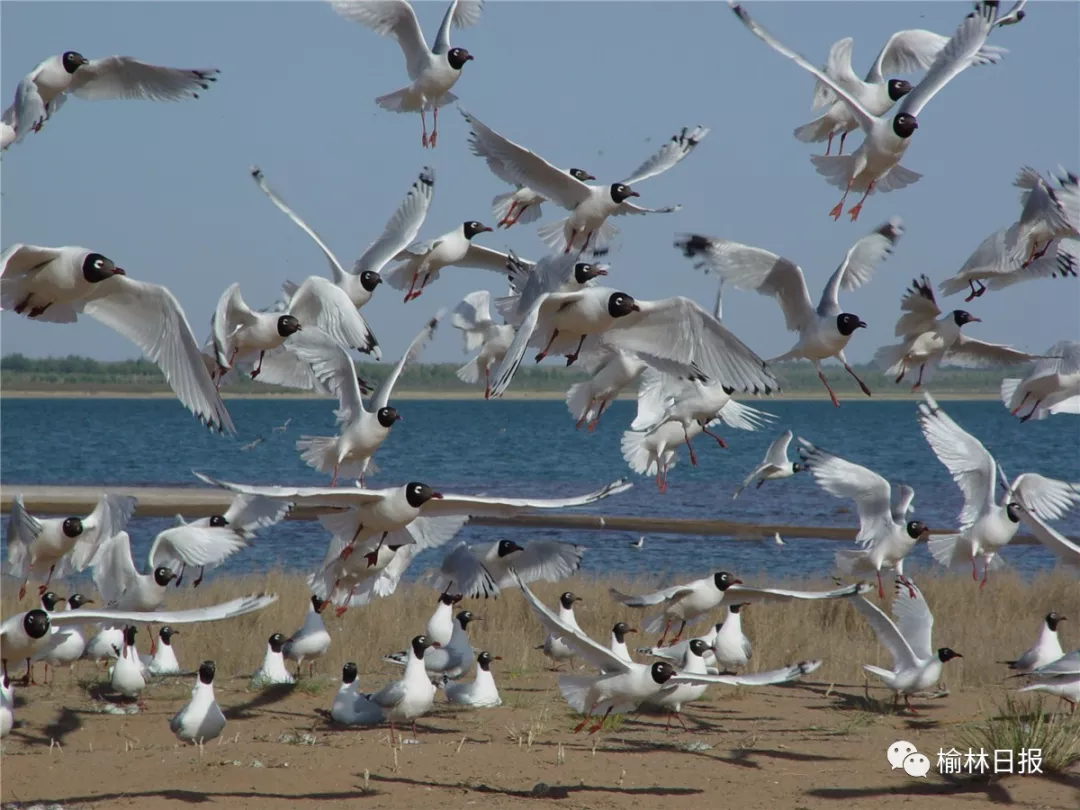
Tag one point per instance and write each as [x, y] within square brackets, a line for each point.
[688, 368]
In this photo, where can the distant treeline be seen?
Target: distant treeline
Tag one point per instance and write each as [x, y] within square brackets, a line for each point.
[18, 372]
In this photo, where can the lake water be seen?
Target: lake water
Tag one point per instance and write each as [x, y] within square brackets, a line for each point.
[519, 448]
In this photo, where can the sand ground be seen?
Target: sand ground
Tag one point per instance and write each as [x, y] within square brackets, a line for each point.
[809, 745]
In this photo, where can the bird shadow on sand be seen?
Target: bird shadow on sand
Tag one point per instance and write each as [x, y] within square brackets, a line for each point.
[996, 791]
[267, 696]
[540, 790]
[196, 797]
[741, 756]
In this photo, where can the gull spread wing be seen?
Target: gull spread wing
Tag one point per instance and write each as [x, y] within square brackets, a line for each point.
[593, 653]
[967, 460]
[123, 77]
[667, 596]
[1063, 548]
[462, 14]
[920, 307]
[322, 303]
[403, 226]
[240, 606]
[859, 264]
[845, 479]
[675, 150]
[792, 672]
[336, 270]
[394, 18]
[382, 395]
[913, 618]
[314, 496]
[474, 505]
[194, 545]
[150, 316]
[1047, 498]
[888, 634]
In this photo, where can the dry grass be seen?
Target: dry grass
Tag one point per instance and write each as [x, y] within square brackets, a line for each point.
[986, 626]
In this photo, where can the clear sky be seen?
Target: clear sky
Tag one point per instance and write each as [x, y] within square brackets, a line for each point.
[164, 190]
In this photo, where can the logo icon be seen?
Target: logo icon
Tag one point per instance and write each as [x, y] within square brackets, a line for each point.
[902, 754]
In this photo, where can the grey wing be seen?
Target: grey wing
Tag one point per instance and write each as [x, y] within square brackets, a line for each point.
[919, 308]
[394, 18]
[967, 460]
[913, 618]
[792, 672]
[322, 303]
[957, 55]
[19, 259]
[548, 560]
[125, 77]
[403, 226]
[1046, 498]
[865, 119]
[327, 361]
[753, 269]
[241, 606]
[662, 597]
[971, 353]
[777, 454]
[844, 479]
[859, 264]
[390, 695]
[29, 109]
[382, 395]
[594, 654]
[462, 14]
[336, 270]
[205, 546]
[109, 517]
[485, 258]
[902, 503]
[679, 330]
[888, 634]
[476, 505]
[527, 168]
[463, 572]
[915, 49]
[249, 513]
[23, 528]
[1063, 548]
[150, 316]
[626, 207]
[677, 148]
[1062, 358]
[749, 593]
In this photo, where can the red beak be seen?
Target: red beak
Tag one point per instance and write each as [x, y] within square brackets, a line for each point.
[120, 271]
[634, 194]
[437, 495]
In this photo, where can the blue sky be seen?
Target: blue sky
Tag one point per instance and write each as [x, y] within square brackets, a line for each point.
[164, 189]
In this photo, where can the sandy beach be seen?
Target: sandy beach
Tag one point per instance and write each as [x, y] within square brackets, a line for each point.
[809, 745]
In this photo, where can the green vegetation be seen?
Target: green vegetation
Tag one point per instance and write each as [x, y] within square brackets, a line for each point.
[73, 373]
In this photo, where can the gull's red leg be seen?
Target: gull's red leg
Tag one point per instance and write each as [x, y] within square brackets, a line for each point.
[543, 354]
[862, 385]
[838, 209]
[855, 209]
[832, 396]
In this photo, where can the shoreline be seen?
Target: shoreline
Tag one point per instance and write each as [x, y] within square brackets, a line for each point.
[801, 396]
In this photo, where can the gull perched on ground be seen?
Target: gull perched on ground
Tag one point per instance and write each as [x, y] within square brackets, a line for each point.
[45, 89]
[674, 332]
[127, 674]
[618, 640]
[421, 262]
[1047, 647]
[350, 708]
[201, 718]
[7, 707]
[483, 569]
[775, 466]
[886, 536]
[481, 691]
[440, 627]
[1054, 384]
[1030, 248]
[451, 660]
[272, 670]
[24, 634]
[692, 600]
[824, 331]
[65, 646]
[361, 280]
[413, 694]
[473, 317]
[1060, 677]
[931, 339]
[523, 204]
[904, 52]
[590, 205]
[985, 525]
[875, 165]
[58, 284]
[916, 665]
[726, 646]
[362, 429]
[312, 640]
[432, 71]
[554, 647]
[163, 660]
[44, 547]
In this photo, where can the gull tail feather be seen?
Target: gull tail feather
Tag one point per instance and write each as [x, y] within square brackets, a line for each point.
[817, 130]
[470, 372]
[575, 690]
